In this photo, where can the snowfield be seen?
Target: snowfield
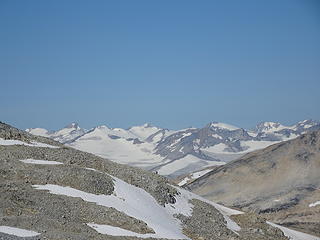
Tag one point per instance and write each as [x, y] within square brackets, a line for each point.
[188, 161]
[116, 231]
[144, 131]
[314, 204]
[101, 141]
[193, 176]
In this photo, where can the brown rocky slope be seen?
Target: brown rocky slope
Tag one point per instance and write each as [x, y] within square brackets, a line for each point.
[280, 182]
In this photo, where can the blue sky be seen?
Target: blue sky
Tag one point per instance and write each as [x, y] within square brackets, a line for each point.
[171, 63]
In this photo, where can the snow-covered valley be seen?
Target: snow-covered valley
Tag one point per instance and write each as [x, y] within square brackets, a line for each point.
[175, 153]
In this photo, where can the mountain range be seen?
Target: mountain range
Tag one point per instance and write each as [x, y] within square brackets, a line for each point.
[51, 191]
[174, 153]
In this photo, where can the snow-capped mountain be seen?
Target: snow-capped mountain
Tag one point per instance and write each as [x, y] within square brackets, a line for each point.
[175, 153]
[64, 135]
[120, 145]
[276, 131]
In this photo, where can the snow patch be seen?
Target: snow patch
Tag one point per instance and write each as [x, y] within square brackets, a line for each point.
[115, 231]
[218, 148]
[144, 131]
[224, 126]
[216, 136]
[38, 131]
[294, 235]
[255, 145]
[19, 232]
[226, 212]
[314, 204]
[45, 162]
[134, 202]
[193, 176]
[8, 142]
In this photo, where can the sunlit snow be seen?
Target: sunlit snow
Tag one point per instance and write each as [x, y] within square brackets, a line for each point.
[224, 126]
[294, 235]
[8, 142]
[134, 202]
[19, 232]
[44, 162]
[186, 161]
[314, 204]
[119, 150]
[193, 176]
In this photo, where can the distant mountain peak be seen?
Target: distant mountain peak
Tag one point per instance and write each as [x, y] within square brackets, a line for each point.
[268, 126]
[101, 127]
[73, 125]
[222, 126]
[308, 122]
[147, 125]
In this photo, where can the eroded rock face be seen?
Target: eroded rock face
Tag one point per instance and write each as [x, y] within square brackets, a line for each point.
[278, 182]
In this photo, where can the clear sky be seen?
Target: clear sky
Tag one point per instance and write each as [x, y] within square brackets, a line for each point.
[171, 63]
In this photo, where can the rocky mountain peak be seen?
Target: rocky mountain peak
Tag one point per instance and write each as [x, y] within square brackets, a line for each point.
[74, 125]
[267, 126]
[307, 123]
[147, 125]
[221, 126]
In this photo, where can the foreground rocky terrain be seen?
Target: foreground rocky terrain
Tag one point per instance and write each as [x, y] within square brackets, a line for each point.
[50, 191]
[280, 182]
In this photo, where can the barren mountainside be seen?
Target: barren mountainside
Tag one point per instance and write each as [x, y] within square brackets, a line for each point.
[281, 182]
[50, 191]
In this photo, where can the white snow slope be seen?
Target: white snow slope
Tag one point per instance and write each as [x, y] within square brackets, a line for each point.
[137, 145]
[19, 232]
[122, 149]
[137, 203]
